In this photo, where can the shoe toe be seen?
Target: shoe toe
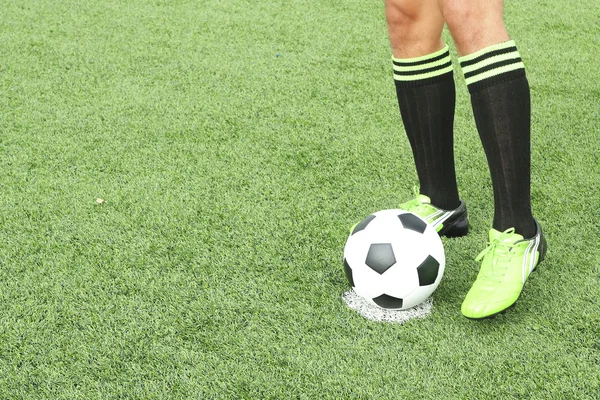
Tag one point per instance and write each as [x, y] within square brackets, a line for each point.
[478, 307]
[481, 310]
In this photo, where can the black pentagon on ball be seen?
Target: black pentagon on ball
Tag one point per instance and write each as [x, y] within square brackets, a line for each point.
[412, 222]
[380, 257]
[348, 272]
[386, 301]
[362, 224]
[428, 271]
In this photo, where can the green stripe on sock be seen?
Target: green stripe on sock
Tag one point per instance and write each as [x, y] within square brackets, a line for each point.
[490, 62]
[421, 67]
[422, 58]
[499, 46]
[424, 67]
[494, 72]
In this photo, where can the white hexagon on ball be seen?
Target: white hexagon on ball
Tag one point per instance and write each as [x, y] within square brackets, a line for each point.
[394, 259]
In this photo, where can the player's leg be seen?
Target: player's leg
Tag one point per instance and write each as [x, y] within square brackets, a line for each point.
[495, 76]
[426, 95]
[500, 99]
[414, 27]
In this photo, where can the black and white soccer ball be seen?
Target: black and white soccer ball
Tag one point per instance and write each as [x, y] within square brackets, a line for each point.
[394, 259]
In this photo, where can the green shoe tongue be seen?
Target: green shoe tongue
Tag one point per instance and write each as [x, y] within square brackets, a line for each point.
[506, 236]
[421, 198]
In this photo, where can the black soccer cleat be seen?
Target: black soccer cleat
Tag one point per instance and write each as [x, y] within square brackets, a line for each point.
[449, 223]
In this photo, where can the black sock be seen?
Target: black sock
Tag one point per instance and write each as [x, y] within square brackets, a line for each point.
[500, 98]
[426, 97]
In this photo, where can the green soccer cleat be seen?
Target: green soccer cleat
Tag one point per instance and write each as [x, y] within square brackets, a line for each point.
[507, 262]
[449, 223]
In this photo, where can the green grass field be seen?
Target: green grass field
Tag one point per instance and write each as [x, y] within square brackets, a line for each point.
[233, 144]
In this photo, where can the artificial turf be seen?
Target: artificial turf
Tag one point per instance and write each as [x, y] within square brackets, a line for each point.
[233, 144]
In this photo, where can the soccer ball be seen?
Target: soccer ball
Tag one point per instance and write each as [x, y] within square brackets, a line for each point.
[394, 259]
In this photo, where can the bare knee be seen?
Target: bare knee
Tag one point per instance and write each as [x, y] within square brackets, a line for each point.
[402, 12]
[474, 24]
[414, 27]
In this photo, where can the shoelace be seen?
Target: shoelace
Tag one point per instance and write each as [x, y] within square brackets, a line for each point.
[500, 249]
[414, 205]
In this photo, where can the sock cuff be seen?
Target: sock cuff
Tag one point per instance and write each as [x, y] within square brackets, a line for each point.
[418, 71]
[492, 65]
